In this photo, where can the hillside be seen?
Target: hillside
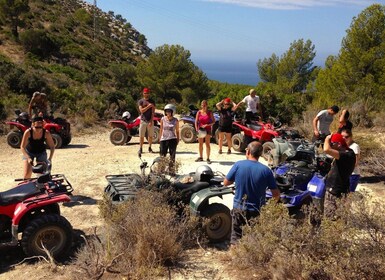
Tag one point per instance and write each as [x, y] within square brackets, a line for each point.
[69, 50]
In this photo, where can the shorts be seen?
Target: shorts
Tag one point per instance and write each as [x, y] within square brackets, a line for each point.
[144, 127]
[226, 129]
[40, 157]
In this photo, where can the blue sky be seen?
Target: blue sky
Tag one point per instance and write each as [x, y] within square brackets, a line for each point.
[240, 30]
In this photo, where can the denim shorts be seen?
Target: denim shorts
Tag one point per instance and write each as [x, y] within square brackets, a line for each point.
[40, 157]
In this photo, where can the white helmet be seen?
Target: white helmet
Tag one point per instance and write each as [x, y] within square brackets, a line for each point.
[170, 107]
[203, 173]
[126, 115]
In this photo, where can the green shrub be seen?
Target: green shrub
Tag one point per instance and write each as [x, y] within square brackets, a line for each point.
[39, 42]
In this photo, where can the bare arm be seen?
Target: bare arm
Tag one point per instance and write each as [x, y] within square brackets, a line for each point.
[177, 132]
[50, 143]
[276, 194]
[197, 121]
[315, 129]
[342, 117]
[24, 143]
[219, 105]
[227, 182]
[161, 127]
[329, 150]
[235, 106]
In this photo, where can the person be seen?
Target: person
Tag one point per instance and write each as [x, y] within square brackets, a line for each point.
[338, 179]
[169, 134]
[225, 108]
[251, 180]
[146, 109]
[33, 145]
[345, 123]
[204, 120]
[355, 177]
[321, 122]
[253, 106]
[38, 105]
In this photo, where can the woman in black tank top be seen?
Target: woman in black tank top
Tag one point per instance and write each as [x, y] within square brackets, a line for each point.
[33, 145]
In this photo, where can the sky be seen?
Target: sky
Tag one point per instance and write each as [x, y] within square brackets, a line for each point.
[240, 31]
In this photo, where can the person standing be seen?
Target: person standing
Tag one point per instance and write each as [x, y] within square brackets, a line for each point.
[251, 178]
[321, 122]
[338, 179]
[169, 134]
[344, 121]
[147, 110]
[253, 106]
[355, 177]
[38, 105]
[225, 108]
[204, 120]
[33, 145]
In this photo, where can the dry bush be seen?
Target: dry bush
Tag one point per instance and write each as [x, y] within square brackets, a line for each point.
[353, 247]
[142, 237]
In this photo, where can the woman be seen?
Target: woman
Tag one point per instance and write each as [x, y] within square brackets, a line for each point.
[345, 123]
[204, 119]
[225, 108]
[169, 134]
[33, 145]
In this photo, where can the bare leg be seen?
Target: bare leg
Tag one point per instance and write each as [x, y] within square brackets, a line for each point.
[200, 140]
[27, 169]
[228, 137]
[220, 140]
[149, 138]
[207, 141]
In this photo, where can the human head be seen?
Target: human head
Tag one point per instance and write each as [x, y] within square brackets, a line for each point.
[252, 92]
[37, 122]
[227, 102]
[347, 135]
[204, 104]
[170, 108]
[254, 149]
[146, 92]
[338, 142]
[333, 110]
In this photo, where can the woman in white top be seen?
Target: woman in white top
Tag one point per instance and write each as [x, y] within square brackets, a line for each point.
[355, 177]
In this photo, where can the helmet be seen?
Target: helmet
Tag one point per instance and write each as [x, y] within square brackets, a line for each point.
[202, 133]
[126, 115]
[170, 107]
[24, 116]
[203, 173]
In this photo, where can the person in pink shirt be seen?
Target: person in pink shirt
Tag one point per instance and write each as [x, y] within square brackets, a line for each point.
[204, 121]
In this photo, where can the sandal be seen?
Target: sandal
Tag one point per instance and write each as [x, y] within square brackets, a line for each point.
[208, 161]
[228, 152]
[199, 159]
[220, 152]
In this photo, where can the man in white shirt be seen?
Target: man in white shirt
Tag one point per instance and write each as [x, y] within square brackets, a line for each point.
[321, 123]
[253, 106]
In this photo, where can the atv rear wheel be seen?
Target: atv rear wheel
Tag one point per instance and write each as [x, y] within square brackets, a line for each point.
[218, 227]
[67, 140]
[14, 139]
[52, 232]
[57, 140]
[238, 142]
[188, 133]
[118, 136]
[267, 152]
[224, 139]
[156, 135]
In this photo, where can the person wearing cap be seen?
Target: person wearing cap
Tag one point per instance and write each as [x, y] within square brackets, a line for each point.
[345, 123]
[225, 108]
[38, 104]
[253, 106]
[322, 122]
[338, 179]
[33, 145]
[204, 120]
[251, 179]
[146, 109]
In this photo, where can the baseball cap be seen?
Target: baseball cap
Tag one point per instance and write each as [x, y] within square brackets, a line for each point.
[335, 108]
[227, 100]
[146, 90]
[337, 138]
[37, 119]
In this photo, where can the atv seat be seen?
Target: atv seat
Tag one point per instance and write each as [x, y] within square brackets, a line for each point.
[191, 187]
[18, 194]
[254, 127]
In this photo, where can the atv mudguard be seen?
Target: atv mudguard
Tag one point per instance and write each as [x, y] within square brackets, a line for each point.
[200, 199]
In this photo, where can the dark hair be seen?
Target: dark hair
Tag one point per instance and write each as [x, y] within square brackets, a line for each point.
[335, 108]
[347, 131]
[37, 119]
[346, 115]
[255, 148]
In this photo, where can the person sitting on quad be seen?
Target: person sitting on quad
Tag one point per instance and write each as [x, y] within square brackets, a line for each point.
[38, 105]
[344, 121]
[225, 108]
[126, 116]
[253, 106]
[33, 145]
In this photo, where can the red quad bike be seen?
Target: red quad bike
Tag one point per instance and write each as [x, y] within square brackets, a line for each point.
[123, 130]
[60, 129]
[32, 210]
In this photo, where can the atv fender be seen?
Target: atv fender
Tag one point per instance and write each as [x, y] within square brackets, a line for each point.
[200, 199]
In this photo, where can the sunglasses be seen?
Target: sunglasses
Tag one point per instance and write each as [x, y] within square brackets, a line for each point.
[346, 137]
[227, 104]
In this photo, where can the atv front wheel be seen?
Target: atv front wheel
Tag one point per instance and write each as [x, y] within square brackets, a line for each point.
[267, 152]
[48, 232]
[218, 227]
[57, 140]
[118, 136]
[14, 139]
[238, 142]
[155, 136]
[188, 133]
[224, 138]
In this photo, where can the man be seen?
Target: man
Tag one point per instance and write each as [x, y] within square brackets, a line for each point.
[321, 123]
[38, 105]
[253, 106]
[146, 109]
[251, 180]
[338, 178]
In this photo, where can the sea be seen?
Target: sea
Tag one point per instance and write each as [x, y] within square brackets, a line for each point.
[232, 72]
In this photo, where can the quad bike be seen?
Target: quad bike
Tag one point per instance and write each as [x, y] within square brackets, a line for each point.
[32, 209]
[60, 129]
[187, 131]
[124, 187]
[124, 129]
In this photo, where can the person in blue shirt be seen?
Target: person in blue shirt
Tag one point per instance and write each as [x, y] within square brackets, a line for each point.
[251, 178]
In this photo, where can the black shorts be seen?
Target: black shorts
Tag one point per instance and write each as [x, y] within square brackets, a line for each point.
[227, 129]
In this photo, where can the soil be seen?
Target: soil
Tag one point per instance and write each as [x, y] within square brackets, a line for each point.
[85, 163]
